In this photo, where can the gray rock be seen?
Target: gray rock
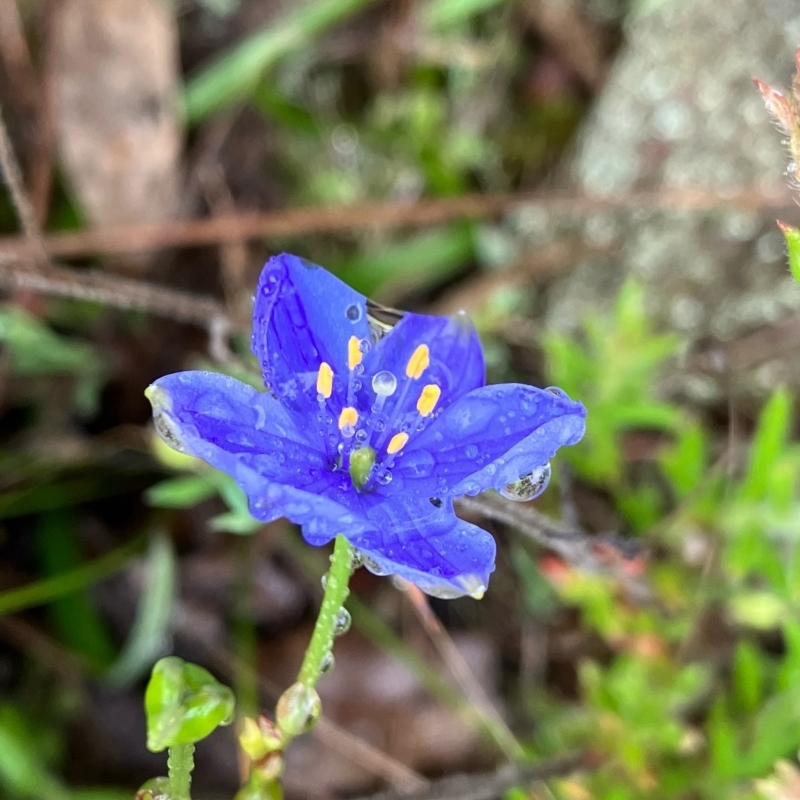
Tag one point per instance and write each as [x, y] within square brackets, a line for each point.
[679, 110]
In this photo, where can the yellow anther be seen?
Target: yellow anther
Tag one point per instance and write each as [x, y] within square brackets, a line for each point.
[397, 442]
[348, 418]
[419, 361]
[354, 354]
[325, 380]
[428, 399]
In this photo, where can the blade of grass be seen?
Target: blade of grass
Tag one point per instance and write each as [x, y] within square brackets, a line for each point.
[237, 72]
[417, 261]
[446, 13]
[73, 616]
[149, 633]
[45, 591]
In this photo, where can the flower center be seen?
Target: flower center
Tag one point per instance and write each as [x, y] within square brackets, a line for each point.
[369, 441]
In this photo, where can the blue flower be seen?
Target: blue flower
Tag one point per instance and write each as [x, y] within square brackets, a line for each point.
[375, 421]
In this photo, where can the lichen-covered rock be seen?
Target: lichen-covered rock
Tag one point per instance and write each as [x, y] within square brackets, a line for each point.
[679, 110]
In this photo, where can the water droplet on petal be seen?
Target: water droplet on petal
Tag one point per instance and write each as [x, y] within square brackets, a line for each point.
[471, 451]
[556, 391]
[384, 383]
[354, 312]
[528, 486]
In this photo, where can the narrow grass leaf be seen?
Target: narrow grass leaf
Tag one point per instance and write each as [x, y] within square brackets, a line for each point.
[237, 73]
[150, 632]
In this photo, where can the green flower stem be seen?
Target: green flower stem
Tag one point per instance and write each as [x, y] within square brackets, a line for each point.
[180, 764]
[335, 594]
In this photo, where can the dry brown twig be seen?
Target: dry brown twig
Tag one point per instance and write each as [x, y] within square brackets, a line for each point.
[12, 174]
[366, 216]
[605, 555]
[491, 785]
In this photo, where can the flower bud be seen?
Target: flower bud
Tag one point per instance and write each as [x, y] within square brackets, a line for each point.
[184, 703]
[258, 738]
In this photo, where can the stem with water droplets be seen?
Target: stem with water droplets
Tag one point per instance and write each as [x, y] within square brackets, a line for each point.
[180, 763]
[336, 592]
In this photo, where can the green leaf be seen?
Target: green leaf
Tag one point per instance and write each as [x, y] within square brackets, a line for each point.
[41, 592]
[184, 703]
[725, 756]
[149, 635]
[416, 261]
[184, 492]
[684, 464]
[757, 609]
[768, 445]
[35, 349]
[448, 13]
[776, 733]
[789, 672]
[792, 236]
[748, 676]
[79, 625]
[237, 72]
[22, 769]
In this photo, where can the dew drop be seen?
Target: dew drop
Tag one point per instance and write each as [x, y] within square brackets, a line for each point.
[348, 431]
[361, 436]
[354, 312]
[261, 417]
[343, 622]
[384, 383]
[471, 451]
[528, 486]
[384, 477]
[298, 709]
[554, 390]
[327, 664]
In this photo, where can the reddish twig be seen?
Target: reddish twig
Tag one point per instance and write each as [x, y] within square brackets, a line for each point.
[242, 227]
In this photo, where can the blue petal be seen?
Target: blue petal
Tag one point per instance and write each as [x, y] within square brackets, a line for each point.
[303, 316]
[488, 439]
[428, 546]
[248, 435]
[456, 356]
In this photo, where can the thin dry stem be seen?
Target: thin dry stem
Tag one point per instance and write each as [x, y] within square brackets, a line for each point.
[246, 226]
[34, 243]
[577, 548]
[462, 674]
[491, 785]
[117, 292]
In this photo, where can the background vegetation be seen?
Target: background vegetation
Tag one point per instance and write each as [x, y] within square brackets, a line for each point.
[647, 612]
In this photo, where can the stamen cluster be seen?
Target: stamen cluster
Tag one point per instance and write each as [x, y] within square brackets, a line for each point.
[369, 441]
